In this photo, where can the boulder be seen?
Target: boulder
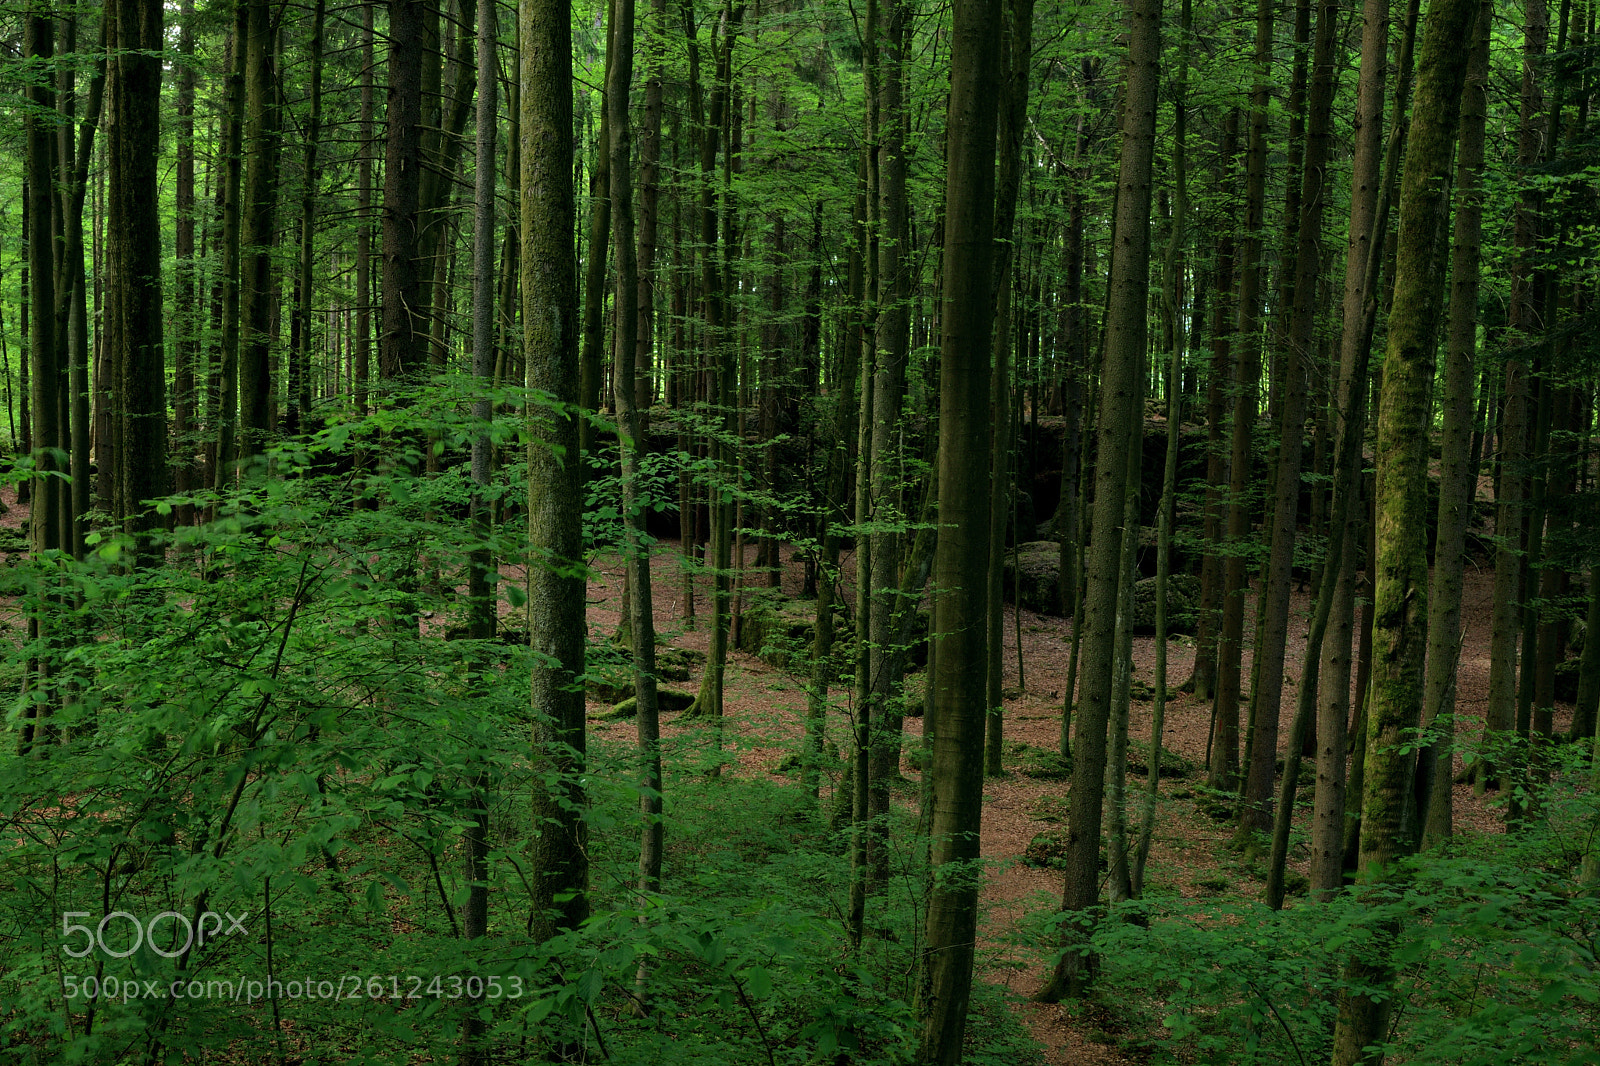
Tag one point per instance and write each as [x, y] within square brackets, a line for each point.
[1039, 562]
[1183, 597]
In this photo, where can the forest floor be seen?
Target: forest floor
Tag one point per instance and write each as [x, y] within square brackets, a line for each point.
[1190, 855]
[1190, 852]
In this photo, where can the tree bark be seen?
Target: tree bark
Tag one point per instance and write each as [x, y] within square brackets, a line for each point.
[133, 263]
[258, 236]
[556, 587]
[959, 565]
[1124, 352]
[1459, 480]
[1225, 719]
[401, 351]
[1399, 598]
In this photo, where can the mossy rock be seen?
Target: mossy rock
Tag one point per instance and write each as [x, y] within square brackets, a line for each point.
[667, 699]
[1039, 763]
[676, 664]
[780, 631]
[1047, 849]
[1172, 764]
[608, 682]
[1183, 597]
[1032, 575]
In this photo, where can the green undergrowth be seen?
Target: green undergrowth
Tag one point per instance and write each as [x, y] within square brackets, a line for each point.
[1497, 957]
[277, 738]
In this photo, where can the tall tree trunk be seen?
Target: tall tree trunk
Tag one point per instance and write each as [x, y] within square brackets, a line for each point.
[362, 355]
[555, 528]
[647, 714]
[1018, 70]
[1171, 300]
[1400, 594]
[1203, 678]
[1124, 352]
[226, 356]
[892, 337]
[1298, 364]
[649, 210]
[1511, 522]
[723, 352]
[401, 351]
[1459, 481]
[1225, 719]
[185, 277]
[1362, 257]
[962, 554]
[300, 356]
[72, 297]
[44, 359]
[134, 263]
[259, 234]
[592, 356]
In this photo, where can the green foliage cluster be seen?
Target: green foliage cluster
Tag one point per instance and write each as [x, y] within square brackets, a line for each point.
[1497, 953]
[282, 724]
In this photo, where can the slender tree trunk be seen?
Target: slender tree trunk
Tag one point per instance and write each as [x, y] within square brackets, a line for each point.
[185, 276]
[300, 357]
[1171, 298]
[1511, 519]
[1459, 481]
[401, 351]
[647, 714]
[892, 336]
[258, 236]
[362, 355]
[44, 359]
[962, 554]
[1124, 351]
[1299, 363]
[226, 356]
[1225, 722]
[1203, 678]
[1360, 281]
[1017, 67]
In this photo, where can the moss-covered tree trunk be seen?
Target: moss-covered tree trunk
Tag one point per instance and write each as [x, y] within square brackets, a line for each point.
[1400, 593]
[1458, 482]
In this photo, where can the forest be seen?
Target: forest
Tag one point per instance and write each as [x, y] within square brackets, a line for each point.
[800, 531]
